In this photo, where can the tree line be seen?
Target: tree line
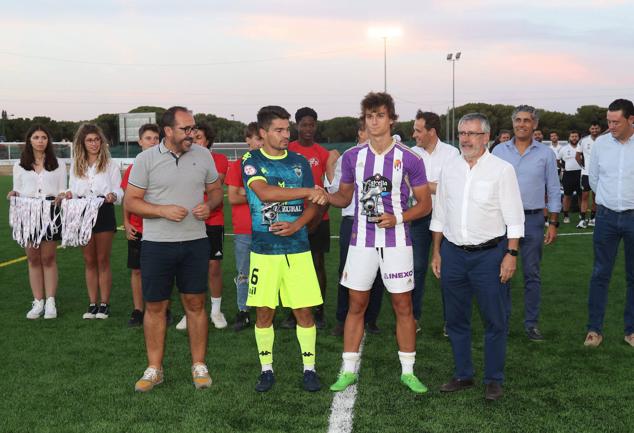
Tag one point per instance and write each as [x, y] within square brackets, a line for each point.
[335, 130]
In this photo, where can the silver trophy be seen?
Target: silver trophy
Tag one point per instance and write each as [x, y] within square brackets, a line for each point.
[270, 213]
[371, 205]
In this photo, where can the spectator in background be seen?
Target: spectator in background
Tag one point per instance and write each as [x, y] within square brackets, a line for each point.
[571, 179]
[133, 224]
[583, 158]
[319, 227]
[38, 174]
[95, 174]
[538, 135]
[333, 178]
[611, 176]
[241, 219]
[215, 226]
[503, 136]
[434, 154]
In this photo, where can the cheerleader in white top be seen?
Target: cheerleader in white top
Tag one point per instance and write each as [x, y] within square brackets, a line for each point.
[95, 174]
[39, 182]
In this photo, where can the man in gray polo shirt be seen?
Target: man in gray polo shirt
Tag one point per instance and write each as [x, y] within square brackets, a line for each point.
[166, 188]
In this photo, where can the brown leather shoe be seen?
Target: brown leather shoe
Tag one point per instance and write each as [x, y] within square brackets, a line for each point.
[593, 339]
[456, 385]
[493, 391]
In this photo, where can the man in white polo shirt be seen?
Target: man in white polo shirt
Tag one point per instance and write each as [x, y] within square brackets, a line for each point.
[434, 153]
[583, 158]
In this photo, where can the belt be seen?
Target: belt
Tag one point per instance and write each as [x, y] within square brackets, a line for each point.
[620, 212]
[532, 211]
[483, 246]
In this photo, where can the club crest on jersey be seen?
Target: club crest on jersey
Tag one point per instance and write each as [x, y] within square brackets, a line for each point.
[314, 162]
[298, 170]
[397, 164]
[249, 170]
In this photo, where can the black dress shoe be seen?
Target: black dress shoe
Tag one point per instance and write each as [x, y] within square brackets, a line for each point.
[456, 385]
[533, 334]
[371, 328]
[493, 391]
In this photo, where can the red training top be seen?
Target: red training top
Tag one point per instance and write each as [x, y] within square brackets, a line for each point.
[135, 220]
[240, 213]
[317, 157]
[217, 218]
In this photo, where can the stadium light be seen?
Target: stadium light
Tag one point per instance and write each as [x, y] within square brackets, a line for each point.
[453, 59]
[385, 33]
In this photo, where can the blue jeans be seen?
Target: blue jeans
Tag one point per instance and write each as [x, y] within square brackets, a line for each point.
[463, 275]
[610, 228]
[531, 251]
[421, 244]
[376, 293]
[242, 249]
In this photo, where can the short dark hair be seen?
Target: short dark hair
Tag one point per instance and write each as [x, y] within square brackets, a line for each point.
[623, 105]
[168, 118]
[432, 120]
[267, 114]
[374, 100]
[504, 131]
[251, 129]
[209, 132]
[27, 158]
[303, 112]
[595, 123]
[149, 127]
[538, 129]
[574, 131]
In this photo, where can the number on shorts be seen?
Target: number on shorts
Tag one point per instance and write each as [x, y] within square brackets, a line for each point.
[254, 276]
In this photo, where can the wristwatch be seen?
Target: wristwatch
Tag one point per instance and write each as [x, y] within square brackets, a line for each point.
[511, 252]
[553, 223]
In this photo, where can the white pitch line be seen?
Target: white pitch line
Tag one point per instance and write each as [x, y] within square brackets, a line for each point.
[342, 407]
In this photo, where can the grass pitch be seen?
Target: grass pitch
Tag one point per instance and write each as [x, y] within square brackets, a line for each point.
[73, 375]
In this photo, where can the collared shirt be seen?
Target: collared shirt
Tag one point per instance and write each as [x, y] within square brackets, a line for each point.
[611, 173]
[585, 147]
[173, 180]
[28, 183]
[434, 161]
[479, 203]
[567, 154]
[95, 183]
[536, 172]
[333, 187]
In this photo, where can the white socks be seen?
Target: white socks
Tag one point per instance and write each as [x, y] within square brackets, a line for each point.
[215, 305]
[350, 360]
[407, 361]
[267, 367]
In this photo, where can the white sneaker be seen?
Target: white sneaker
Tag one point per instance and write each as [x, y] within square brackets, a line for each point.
[582, 224]
[182, 325]
[50, 310]
[218, 320]
[591, 223]
[37, 309]
[566, 220]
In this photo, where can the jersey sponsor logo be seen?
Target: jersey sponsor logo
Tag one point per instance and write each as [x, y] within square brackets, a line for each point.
[397, 275]
[397, 164]
[298, 170]
[249, 170]
[281, 184]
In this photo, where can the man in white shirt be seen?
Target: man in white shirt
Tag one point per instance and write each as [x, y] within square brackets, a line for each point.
[571, 179]
[434, 153]
[478, 205]
[583, 159]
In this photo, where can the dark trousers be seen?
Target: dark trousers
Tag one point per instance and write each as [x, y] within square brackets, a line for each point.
[421, 244]
[531, 251]
[610, 228]
[463, 275]
[376, 293]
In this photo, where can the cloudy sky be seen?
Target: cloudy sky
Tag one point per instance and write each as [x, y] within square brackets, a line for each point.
[75, 59]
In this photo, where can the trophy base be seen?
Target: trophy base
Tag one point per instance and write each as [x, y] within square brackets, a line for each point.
[373, 219]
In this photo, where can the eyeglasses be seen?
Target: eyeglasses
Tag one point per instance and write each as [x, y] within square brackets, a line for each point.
[93, 140]
[469, 134]
[188, 129]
